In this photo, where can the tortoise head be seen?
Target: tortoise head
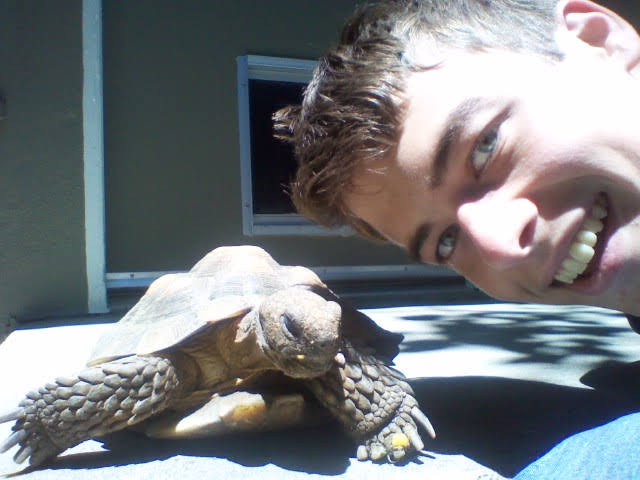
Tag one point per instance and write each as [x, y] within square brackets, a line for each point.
[301, 331]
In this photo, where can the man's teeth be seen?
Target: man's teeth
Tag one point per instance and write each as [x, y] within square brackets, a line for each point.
[581, 251]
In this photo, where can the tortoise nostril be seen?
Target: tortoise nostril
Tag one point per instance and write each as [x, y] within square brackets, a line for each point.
[289, 326]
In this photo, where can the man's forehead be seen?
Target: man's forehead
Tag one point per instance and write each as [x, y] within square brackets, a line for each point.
[382, 195]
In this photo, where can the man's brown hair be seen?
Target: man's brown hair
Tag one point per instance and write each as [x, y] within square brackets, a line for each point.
[351, 113]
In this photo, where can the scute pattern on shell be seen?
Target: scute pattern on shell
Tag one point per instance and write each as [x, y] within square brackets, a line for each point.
[177, 305]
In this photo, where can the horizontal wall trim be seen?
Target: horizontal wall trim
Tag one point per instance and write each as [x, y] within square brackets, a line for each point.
[293, 224]
[328, 274]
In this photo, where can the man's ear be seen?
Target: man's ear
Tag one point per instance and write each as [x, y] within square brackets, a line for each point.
[598, 27]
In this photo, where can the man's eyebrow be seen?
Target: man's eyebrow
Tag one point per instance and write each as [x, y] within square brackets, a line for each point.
[417, 240]
[450, 136]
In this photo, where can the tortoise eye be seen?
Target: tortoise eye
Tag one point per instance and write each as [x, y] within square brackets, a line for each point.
[290, 327]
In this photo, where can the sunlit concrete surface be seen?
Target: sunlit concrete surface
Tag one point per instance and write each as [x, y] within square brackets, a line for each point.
[502, 384]
[555, 344]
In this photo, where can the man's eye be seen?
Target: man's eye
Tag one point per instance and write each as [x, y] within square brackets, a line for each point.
[484, 150]
[447, 243]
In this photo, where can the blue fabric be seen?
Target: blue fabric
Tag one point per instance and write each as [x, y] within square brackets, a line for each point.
[608, 452]
[634, 322]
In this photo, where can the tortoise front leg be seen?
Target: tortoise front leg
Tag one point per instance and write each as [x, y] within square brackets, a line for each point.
[99, 400]
[374, 403]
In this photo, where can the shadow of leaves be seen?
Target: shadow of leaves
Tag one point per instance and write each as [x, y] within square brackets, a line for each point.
[536, 336]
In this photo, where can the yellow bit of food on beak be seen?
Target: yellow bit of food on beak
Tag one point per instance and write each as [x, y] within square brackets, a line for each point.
[300, 357]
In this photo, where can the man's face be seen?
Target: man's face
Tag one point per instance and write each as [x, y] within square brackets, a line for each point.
[503, 163]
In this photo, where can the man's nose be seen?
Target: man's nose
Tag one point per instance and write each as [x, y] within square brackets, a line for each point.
[501, 229]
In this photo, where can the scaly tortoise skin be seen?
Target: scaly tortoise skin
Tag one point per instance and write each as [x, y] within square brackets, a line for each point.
[235, 344]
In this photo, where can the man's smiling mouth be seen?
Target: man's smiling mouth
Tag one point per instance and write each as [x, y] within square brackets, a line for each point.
[582, 250]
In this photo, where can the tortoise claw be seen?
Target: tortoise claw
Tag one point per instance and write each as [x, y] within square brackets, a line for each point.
[414, 438]
[14, 439]
[377, 451]
[400, 438]
[33, 445]
[396, 442]
[376, 405]
[362, 453]
[419, 416]
[24, 453]
[400, 443]
[12, 415]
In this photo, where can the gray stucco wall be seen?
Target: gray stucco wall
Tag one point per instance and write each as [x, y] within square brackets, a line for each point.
[42, 268]
[171, 127]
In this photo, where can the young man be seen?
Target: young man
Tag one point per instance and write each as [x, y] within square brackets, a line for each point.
[499, 137]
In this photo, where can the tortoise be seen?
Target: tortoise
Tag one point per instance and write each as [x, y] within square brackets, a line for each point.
[237, 343]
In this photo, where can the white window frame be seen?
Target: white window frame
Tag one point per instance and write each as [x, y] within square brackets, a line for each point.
[258, 67]
[93, 131]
